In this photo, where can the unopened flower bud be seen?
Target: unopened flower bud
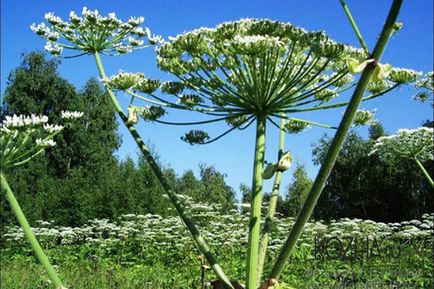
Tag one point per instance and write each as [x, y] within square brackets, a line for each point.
[381, 72]
[132, 115]
[284, 162]
[355, 66]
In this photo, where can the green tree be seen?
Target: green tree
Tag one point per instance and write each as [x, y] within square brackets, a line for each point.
[363, 186]
[189, 185]
[296, 192]
[211, 188]
[70, 173]
[151, 196]
[215, 190]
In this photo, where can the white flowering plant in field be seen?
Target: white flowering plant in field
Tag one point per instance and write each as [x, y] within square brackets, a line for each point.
[251, 71]
[416, 144]
[22, 139]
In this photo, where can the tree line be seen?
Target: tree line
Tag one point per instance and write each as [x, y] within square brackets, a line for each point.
[81, 179]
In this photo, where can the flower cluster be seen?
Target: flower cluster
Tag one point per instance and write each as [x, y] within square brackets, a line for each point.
[125, 81]
[253, 44]
[24, 137]
[196, 137]
[168, 234]
[258, 65]
[22, 121]
[406, 143]
[71, 114]
[403, 75]
[92, 32]
[425, 85]
[295, 126]
[364, 117]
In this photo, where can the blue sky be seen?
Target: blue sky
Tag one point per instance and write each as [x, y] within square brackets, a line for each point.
[233, 155]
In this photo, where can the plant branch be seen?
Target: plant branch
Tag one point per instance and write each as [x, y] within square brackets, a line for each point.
[424, 171]
[354, 25]
[29, 233]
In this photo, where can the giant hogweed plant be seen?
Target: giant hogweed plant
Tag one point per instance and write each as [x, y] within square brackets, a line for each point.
[243, 73]
[22, 139]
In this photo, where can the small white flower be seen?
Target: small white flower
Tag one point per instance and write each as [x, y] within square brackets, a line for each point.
[45, 142]
[71, 114]
[135, 42]
[53, 48]
[112, 15]
[52, 128]
[40, 29]
[140, 32]
[50, 17]
[136, 21]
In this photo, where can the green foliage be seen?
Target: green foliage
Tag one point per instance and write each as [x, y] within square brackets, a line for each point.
[363, 186]
[296, 192]
[210, 188]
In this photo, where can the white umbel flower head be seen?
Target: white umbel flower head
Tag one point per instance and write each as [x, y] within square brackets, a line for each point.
[23, 137]
[16, 121]
[91, 32]
[406, 143]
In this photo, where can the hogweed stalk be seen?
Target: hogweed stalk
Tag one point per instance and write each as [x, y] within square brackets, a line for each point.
[196, 235]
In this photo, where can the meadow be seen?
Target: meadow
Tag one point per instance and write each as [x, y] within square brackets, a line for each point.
[250, 72]
[148, 251]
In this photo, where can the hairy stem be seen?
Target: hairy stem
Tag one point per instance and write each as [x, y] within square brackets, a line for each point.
[197, 237]
[424, 171]
[336, 144]
[272, 207]
[255, 206]
[29, 234]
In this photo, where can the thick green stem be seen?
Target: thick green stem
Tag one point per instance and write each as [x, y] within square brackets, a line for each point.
[29, 234]
[424, 171]
[197, 237]
[336, 144]
[255, 206]
[272, 207]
